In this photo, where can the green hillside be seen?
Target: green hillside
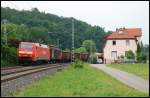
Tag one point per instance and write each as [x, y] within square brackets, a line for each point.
[35, 25]
[44, 28]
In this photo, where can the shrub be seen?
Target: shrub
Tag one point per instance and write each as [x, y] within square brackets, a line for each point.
[8, 56]
[78, 64]
[122, 57]
[130, 54]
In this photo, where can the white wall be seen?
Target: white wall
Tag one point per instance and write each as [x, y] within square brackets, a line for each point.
[120, 47]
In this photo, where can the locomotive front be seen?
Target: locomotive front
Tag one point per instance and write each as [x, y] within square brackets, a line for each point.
[25, 52]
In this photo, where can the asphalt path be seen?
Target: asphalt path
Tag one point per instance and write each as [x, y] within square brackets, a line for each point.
[125, 77]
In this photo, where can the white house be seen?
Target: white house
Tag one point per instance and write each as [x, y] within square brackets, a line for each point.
[120, 41]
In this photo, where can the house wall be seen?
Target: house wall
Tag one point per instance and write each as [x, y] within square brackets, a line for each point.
[120, 47]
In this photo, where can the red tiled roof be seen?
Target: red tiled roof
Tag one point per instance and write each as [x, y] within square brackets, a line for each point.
[126, 33]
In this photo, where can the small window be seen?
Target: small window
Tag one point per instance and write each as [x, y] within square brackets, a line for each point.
[113, 42]
[127, 42]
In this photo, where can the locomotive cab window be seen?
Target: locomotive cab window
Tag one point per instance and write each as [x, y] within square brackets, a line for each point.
[26, 46]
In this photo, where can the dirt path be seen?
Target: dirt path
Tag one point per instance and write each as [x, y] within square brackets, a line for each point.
[125, 77]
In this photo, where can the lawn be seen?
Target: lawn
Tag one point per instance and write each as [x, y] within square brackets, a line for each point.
[139, 69]
[86, 81]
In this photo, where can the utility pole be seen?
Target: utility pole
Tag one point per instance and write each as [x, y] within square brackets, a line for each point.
[5, 36]
[72, 53]
[5, 31]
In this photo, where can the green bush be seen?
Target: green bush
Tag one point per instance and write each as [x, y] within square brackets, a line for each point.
[8, 56]
[78, 64]
[130, 54]
[3, 63]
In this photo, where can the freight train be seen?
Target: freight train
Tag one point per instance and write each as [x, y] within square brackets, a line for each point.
[36, 52]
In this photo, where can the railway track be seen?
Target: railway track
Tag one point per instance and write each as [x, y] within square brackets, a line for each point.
[13, 73]
[16, 78]
[19, 66]
[8, 68]
[20, 69]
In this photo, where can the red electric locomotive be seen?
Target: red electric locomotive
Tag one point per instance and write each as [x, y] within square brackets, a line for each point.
[33, 52]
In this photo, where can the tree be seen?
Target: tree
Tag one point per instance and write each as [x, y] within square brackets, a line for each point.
[89, 45]
[142, 52]
[24, 32]
[139, 46]
[34, 10]
[39, 34]
[141, 57]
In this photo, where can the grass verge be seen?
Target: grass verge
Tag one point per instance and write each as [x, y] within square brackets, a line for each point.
[78, 81]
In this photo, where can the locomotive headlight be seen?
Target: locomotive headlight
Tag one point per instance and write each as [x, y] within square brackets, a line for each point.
[23, 52]
[28, 52]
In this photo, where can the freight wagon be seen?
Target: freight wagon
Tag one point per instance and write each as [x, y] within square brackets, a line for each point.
[66, 56]
[56, 54]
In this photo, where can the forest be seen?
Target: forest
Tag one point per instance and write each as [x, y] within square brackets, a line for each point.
[45, 28]
[48, 28]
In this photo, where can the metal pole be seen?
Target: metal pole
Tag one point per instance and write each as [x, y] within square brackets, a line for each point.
[91, 54]
[5, 35]
[72, 53]
[5, 31]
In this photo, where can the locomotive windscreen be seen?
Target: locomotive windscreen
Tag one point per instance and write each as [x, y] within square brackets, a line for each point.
[26, 45]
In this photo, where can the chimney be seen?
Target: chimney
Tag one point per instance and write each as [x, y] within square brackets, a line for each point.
[120, 29]
[117, 29]
[123, 28]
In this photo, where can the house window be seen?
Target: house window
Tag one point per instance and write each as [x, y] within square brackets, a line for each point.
[127, 42]
[114, 54]
[113, 42]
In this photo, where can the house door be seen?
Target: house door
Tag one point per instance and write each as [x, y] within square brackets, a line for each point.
[114, 55]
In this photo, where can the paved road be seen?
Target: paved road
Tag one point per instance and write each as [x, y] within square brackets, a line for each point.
[126, 78]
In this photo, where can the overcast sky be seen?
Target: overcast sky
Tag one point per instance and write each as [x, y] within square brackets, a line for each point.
[107, 14]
